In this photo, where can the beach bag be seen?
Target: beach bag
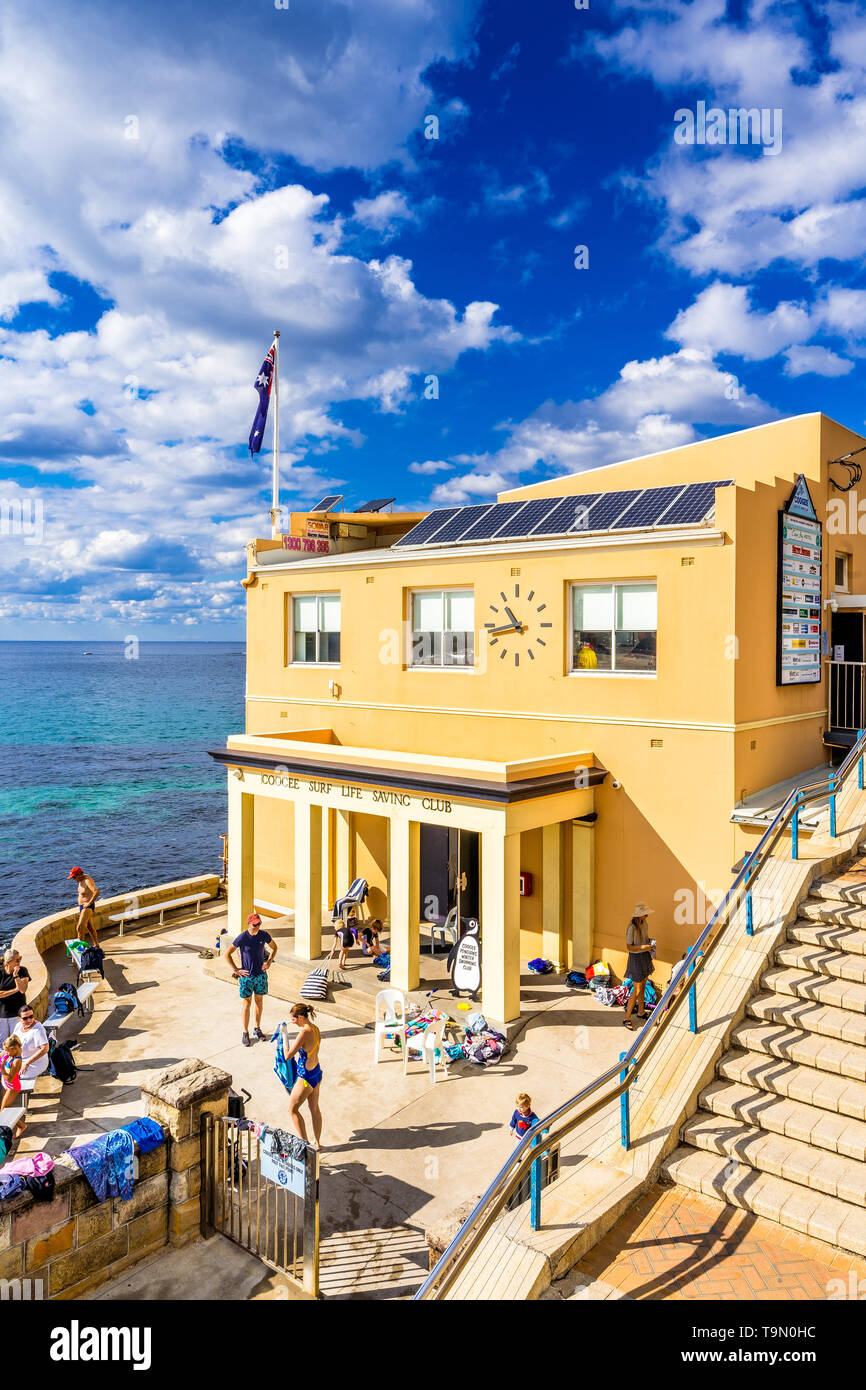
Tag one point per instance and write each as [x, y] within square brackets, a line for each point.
[575, 979]
[237, 1100]
[539, 966]
[61, 1063]
[599, 971]
[66, 1001]
[91, 959]
[40, 1187]
[315, 986]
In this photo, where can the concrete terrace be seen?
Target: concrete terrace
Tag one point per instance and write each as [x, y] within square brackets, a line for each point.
[399, 1154]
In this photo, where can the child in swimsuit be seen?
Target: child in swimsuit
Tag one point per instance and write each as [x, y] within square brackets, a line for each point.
[305, 1051]
[10, 1071]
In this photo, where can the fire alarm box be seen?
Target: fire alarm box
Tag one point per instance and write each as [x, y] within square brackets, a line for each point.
[525, 885]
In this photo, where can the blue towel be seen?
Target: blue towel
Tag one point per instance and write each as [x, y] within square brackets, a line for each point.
[146, 1133]
[106, 1163]
[11, 1186]
[287, 1071]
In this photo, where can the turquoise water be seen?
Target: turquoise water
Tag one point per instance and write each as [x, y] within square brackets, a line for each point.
[103, 763]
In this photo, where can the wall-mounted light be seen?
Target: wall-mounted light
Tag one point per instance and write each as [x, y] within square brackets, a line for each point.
[237, 772]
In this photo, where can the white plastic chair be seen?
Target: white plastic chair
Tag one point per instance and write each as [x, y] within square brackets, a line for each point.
[426, 1045]
[393, 1021]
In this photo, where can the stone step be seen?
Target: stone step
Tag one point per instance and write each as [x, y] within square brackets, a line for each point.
[806, 1049]
[812, 1018]
[849, 887]
[836, 965]
[837, 1094]
[780, 1115]
[816, 912]
[781, 1157]
[818, 989]
[795, 1207]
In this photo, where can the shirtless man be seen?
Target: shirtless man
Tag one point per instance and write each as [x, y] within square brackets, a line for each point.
[87, 895]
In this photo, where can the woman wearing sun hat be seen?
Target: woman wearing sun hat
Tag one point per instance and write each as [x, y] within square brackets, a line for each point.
[640, 963]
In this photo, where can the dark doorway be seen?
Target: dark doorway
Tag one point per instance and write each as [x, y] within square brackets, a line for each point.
[448, 872]
[846, 631]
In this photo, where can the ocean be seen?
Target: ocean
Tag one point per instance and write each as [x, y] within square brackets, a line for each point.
[103, 763]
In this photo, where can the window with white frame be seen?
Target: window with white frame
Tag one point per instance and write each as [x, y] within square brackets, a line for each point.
[443, 628]
[316, 626]
[614, 627]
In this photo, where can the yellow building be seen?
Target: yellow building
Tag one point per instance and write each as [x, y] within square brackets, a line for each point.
[578, 691]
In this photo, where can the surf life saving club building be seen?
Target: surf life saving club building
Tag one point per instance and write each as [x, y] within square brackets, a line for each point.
[537, 711]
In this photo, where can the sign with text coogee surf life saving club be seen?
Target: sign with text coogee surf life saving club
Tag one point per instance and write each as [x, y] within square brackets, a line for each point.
[798, 642]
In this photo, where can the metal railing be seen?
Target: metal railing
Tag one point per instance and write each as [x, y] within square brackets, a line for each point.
[615, 1083]
[273, 1221]
[846, 693]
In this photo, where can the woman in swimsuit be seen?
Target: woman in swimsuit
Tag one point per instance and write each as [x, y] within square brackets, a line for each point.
[10, 1068]
[305, 1050]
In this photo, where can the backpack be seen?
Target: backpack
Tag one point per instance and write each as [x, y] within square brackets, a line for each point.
[61, 1063]
[91, 959]
[66, 1001]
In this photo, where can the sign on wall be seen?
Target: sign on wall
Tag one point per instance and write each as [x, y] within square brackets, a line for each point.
[798, 632]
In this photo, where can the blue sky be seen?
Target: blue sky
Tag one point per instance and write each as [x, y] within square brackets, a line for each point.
[178, 179]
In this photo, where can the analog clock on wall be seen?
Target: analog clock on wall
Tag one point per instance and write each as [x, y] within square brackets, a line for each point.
[516, 624]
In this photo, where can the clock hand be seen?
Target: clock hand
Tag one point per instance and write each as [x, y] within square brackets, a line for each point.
[512, 617]
[511, 627]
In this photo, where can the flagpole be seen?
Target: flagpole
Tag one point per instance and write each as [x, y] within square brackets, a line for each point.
[275, 488]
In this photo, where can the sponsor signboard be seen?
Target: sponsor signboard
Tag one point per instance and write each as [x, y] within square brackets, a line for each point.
[798, 606]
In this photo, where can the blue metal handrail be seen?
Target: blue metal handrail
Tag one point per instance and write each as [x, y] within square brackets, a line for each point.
[580, 1107]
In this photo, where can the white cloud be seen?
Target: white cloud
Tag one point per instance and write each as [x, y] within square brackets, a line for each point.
[430, 466]
[819, 360]
[722, 319]
[384, 212]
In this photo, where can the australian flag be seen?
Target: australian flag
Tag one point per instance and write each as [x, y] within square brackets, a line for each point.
[263, 383]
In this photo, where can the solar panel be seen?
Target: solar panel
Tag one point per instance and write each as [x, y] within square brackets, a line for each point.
[376, 505]
[568, 513]
[486, 527]
[693, 505]
[521, 522]
[648, 508]
[421, 533]
[606, 508]
[460, 522]
[328, 503]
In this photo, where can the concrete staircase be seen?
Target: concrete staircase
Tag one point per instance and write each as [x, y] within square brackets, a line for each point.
[781, 1131]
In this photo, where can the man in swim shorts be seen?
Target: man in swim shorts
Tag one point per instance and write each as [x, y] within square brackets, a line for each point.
[258, 951]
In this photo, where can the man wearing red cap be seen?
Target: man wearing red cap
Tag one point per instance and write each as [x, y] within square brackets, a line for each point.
[257, 949]
[87, 895]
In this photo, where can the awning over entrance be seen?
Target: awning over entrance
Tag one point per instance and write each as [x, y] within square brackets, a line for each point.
[314, 755]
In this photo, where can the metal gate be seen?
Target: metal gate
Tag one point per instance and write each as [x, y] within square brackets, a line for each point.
[266, 1202]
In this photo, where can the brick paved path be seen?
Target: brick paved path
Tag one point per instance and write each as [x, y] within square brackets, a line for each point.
[675, 1244]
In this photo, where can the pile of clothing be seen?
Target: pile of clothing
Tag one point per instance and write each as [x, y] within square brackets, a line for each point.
[619, 995]
[33, 1174]
[481, 1044]
[107, 1162]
